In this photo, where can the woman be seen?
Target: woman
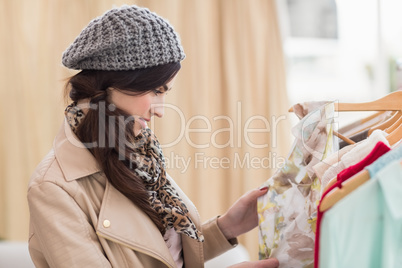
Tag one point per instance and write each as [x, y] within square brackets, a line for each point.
[102, 197]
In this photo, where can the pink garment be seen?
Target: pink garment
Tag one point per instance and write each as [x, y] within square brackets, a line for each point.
[173, 242]
[330, 161]
[358, 152]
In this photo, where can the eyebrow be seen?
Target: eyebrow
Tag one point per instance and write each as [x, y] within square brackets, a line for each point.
[165, 87]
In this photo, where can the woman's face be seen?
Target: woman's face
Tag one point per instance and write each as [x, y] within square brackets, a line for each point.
[141, 107]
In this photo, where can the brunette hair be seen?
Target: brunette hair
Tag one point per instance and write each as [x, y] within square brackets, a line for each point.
[113, 154]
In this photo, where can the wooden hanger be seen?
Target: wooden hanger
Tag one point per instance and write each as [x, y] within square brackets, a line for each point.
[348, 186]
[366, 120]
[396, 135]
[387, 123]
[390, 102]
[345, 139]
[371, 117]
[394, 126]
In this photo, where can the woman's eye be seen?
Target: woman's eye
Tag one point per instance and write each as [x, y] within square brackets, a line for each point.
[158, 92]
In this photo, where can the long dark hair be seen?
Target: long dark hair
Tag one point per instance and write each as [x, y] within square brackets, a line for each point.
[101, 125]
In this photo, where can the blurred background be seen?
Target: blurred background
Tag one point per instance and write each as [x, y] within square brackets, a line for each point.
[226, 127]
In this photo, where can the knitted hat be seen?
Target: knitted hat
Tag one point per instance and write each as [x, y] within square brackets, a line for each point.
[124, 38]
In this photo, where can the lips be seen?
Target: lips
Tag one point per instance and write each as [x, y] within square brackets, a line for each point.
[143, 122]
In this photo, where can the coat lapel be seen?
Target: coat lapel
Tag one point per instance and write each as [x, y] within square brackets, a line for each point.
[67, 144]
[122, 222]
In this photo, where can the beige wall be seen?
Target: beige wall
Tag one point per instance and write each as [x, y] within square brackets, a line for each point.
[233, 79]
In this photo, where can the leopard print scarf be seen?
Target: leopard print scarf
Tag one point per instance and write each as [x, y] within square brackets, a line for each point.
[149, 165]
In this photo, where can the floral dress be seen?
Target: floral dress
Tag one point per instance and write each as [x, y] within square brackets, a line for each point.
[288, 212]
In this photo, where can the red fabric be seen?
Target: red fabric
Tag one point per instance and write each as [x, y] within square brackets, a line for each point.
[379, 150]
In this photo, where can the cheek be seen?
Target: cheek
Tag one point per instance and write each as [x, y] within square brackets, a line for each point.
[141, 105]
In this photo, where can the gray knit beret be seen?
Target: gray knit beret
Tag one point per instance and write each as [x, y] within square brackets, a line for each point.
[124, 38]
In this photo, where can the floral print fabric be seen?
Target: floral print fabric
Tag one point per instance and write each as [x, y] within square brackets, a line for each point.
[288, 212]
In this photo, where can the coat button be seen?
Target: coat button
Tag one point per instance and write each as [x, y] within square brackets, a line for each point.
[106, 223]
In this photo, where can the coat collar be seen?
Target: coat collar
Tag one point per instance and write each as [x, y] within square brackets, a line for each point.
[66, 144]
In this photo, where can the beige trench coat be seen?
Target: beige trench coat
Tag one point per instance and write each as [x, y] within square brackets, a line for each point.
[78, 219]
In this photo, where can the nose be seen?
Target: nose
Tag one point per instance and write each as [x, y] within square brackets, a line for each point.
[158, 110]
[158, 107]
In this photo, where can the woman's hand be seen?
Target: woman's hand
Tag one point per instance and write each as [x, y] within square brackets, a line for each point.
[268, 263]
[242, 215]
